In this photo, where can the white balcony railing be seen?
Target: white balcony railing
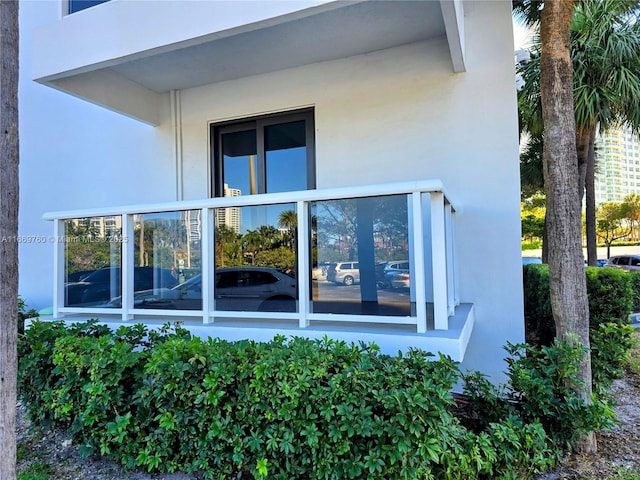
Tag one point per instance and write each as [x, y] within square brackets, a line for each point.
[361, 227]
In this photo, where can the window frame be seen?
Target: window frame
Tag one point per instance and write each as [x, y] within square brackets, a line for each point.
[259, 124]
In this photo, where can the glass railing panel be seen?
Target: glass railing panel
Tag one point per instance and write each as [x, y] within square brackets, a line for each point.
[255, 258]
[167, 263]
[360, 256]
[92, 260]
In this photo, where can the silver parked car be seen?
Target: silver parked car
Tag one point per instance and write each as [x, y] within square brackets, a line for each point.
[625, 262]
[346, 273]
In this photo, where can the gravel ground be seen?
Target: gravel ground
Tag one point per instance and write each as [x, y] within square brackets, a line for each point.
[618, 449]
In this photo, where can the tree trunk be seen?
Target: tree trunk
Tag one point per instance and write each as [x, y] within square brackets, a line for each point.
[590, 201]
[582, 151]
[567, 281]
[8, 235]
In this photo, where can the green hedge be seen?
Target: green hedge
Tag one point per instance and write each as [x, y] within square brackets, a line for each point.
[611, 293]
[297, 408]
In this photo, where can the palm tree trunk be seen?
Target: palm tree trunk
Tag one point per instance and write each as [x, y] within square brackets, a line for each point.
[8, 232]
[567, 281]
[590, 200]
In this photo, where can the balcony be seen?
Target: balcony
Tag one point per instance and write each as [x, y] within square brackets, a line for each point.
[372, 263]
[139, 52]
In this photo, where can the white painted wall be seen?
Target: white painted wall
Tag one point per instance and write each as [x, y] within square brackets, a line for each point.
[395, 115]
[74, 155]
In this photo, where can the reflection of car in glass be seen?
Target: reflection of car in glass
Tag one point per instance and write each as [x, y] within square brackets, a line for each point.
[319, 272]
[400, 280]
[236, 288]
[391, 269]
[346, 273]
[99, 286]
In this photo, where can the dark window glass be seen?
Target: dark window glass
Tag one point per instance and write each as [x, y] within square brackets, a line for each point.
[369, 234]
[239, 157]
[286, 157]
[267, 154]
[77, 5]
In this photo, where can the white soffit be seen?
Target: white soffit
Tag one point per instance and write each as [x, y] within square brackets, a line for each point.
[325, 32]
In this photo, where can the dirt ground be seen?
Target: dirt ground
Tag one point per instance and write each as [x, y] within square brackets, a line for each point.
[618, 450]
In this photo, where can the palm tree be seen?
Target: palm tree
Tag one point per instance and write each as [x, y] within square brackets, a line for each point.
[605, 53]
[606, 60]
[270, 235]
[567, 282]
[288, 219]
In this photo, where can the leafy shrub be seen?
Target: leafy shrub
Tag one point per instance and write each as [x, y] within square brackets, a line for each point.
[610, 296]
[24, 314]
[540, 389]
[539, 324]
[610, 345]
[294, 408]
[635, 287]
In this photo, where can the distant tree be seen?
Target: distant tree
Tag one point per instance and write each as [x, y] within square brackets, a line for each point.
[631, 211]
[532, 213]
[281, 257]
[610, 223]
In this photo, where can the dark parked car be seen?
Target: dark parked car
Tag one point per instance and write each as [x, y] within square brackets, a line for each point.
[100, 286]
[249, 289]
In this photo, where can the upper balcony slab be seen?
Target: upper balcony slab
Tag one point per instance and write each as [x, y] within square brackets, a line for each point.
[123, 50]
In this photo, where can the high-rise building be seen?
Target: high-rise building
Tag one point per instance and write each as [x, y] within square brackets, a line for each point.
[617, 165]
[229, 216]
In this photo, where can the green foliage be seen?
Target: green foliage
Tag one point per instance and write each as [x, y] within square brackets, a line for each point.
[610, 346]
[630, 472]
[635, 291]
[281, 257]
[36, 471]
[534, 245]
[540, 391]
[24, 314]
[632, 361]
[296, 408]
[539, 324]
[611, 296]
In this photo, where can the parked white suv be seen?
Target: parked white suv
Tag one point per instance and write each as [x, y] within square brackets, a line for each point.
[625, 262]
[346, 273]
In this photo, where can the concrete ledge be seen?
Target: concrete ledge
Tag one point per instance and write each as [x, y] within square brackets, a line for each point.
[390, 338]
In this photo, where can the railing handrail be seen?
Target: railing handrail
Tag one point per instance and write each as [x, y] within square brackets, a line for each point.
[424, 186]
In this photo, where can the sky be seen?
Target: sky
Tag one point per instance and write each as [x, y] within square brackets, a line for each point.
[521, 36]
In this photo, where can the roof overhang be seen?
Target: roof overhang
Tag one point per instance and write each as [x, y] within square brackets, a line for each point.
[130, 69]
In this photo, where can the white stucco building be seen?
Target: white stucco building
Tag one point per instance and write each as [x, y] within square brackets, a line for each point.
[387, 130]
